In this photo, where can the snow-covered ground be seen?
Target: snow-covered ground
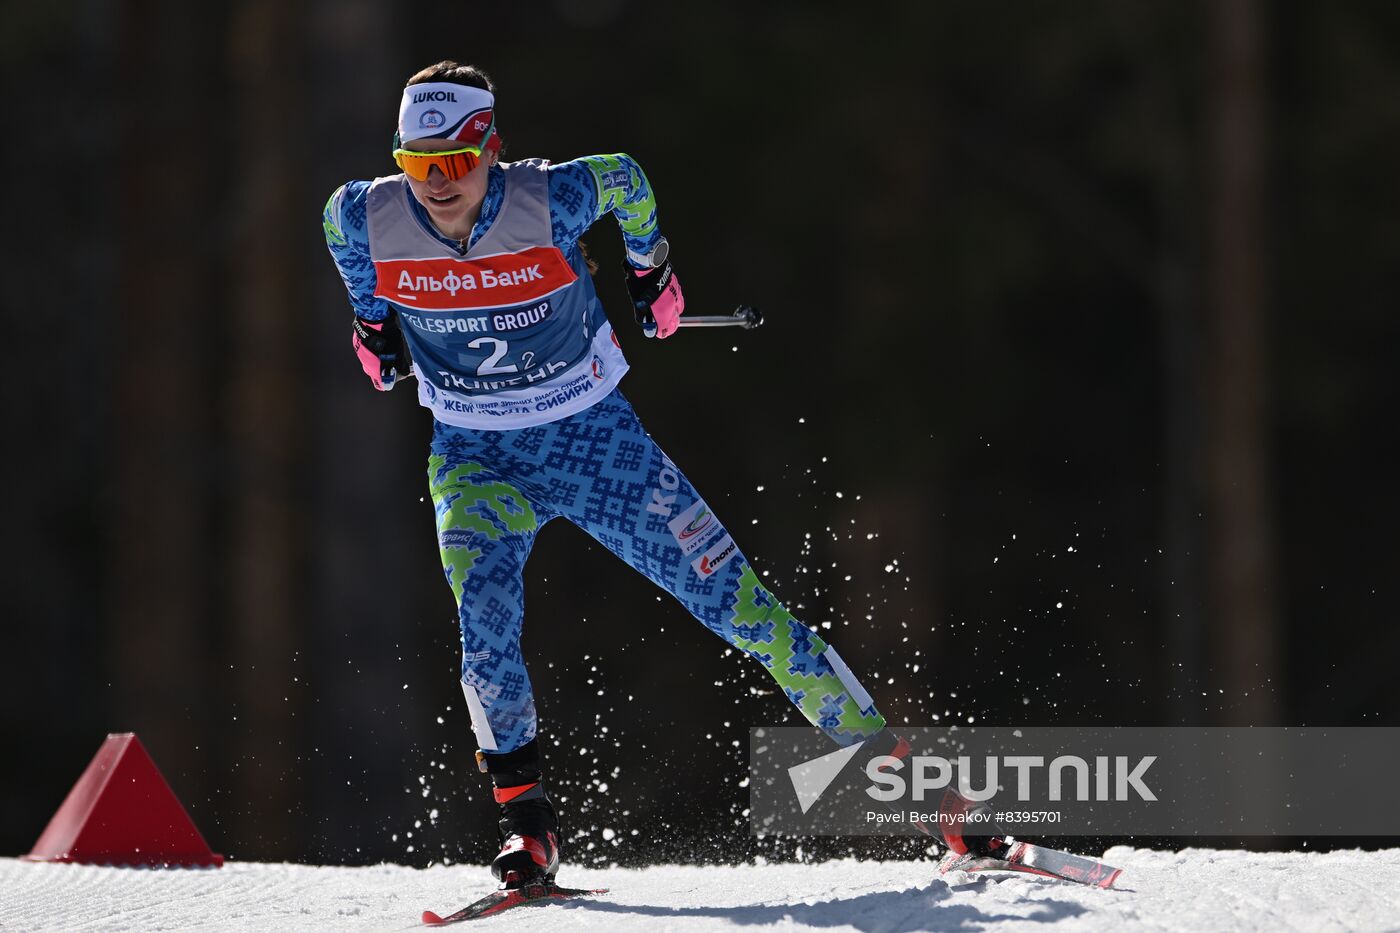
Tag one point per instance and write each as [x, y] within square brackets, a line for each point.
[1196, 889]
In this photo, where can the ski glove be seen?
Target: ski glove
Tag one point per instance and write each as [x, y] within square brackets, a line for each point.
[382, 351]
[657, 301]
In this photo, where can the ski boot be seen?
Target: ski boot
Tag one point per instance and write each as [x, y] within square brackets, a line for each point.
[958, 814]
[886, 743]
[529, 825]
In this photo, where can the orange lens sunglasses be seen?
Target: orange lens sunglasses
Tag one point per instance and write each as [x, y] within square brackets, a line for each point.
[454, 163]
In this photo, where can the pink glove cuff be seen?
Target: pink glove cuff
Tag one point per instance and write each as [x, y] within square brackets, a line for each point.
[668, 307]
[371, 363]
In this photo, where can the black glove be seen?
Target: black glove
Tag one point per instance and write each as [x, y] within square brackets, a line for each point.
[382, 351]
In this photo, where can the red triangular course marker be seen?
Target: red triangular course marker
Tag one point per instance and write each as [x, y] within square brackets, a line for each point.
[122, 812]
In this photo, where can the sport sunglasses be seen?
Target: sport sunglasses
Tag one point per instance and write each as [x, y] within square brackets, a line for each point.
[454, 163]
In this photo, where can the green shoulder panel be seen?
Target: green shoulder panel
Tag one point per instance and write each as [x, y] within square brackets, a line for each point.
[330, 218]
[624, 191]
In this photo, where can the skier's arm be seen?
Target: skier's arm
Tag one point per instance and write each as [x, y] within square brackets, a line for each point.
[376, 339]
[582, 191]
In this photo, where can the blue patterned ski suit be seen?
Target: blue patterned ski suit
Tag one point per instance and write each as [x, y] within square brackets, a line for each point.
[597, 467]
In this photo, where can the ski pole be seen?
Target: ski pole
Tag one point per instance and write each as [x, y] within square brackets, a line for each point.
[744, 316]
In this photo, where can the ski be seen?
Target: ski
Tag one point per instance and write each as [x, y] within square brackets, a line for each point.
[506, 898]
[1036, 860]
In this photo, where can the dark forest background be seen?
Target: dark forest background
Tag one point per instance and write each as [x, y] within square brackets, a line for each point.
[1071, 407]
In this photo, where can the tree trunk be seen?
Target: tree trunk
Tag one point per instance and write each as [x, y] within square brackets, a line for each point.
[263, 340]
[1245, 639]
[164, 448]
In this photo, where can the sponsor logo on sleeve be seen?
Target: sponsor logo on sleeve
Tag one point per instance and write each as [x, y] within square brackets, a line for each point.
[616, 178]
[716, 557]
[693, 527]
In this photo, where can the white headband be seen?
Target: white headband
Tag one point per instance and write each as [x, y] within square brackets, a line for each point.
[446, 111]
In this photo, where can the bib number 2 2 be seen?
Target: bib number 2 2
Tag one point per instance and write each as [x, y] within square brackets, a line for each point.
[491, 366]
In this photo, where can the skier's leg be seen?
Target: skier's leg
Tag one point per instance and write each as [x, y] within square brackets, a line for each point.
[639, 505]
[485, 528]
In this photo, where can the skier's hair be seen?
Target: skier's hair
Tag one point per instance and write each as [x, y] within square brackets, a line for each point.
[453, 73]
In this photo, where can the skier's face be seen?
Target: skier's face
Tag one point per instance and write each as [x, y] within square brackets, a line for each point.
[452, 205]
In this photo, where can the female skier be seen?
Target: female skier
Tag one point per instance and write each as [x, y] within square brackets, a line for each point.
[467, 272]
